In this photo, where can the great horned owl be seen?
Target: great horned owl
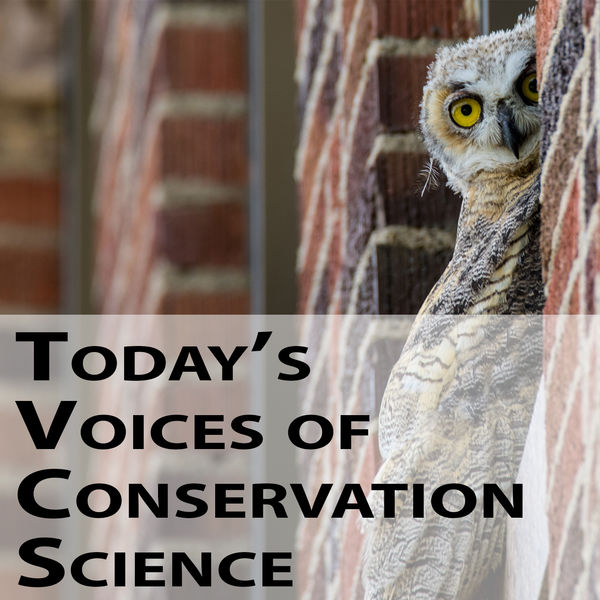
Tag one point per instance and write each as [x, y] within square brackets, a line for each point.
[480, 122]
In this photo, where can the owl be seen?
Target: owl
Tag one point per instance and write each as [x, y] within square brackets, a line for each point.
[442, 420]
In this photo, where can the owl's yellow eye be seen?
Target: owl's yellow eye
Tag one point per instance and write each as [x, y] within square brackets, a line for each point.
[529, 88]
[465, 112]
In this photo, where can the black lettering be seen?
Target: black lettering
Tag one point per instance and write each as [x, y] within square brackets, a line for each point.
[389, 496]
[180, 364]
[119, 432]
[130, 353]
[41, 349]
[259, 501]
[262, 337]
[120, 569]
[437, 500]
[513, 510]
[225, 569]
[269, 568]
[227, 363]
[138, 442]
[77, 569]
[26, 494]
[183, 494]
[201, 431]
[83, 500]
[142, 568]
[28, 553]
[418, 500]
[41, 440]
[308, 511]
[343, 503]
[201, 577]
[156, 432]
[222, 500]
[159, 508]
[326, 434]
[302, 369]
[347, 431]
[255, 437]
[110, 363]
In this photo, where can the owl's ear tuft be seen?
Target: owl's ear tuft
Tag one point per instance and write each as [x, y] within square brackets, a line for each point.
[526, 16]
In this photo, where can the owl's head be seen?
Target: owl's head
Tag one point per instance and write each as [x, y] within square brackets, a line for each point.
[480, 104]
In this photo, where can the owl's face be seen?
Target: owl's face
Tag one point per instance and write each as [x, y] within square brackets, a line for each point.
[480, 105]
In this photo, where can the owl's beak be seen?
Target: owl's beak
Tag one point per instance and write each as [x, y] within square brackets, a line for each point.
[511, 136]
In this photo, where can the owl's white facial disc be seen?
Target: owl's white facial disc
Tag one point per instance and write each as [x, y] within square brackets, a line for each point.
[479, 108]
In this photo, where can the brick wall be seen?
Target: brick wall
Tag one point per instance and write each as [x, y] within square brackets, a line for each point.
[169, 120]
[29, 221]
[568, 34]
[361, 66]
[29, 190]
[370, 242]
[169, 115]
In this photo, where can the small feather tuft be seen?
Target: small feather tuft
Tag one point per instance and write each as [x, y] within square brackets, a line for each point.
[430, 173]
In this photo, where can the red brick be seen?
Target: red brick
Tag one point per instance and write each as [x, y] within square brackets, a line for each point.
[125, 248]
[28, 201]
[207, 235]
[320, 303]
[186, 303]
[212, 148]
[360, 145]
[335, 259]
[360, 214]
[395, 265]
[546, 15]
[592, 270]
[200, 58]
[400, 182]
[316, 140]
[109, 230]
[572, 564]
[401, 80]
[559, 380]
[588, 11]
[574, 306]
[30, 277]
[334, 167]
[561, 164]
[317, 35]
[309, 529]
[565, 253]
[299, 16]
[365, 33]
[315, 239]
[569, 461]
[424, 18]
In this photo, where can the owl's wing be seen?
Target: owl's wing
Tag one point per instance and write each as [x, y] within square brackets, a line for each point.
[456, 410]
[461, 421]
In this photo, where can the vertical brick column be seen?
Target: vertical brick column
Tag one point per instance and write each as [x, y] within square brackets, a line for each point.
[169, 116]
[371, 241]
[29, 190]
[568, 34]
[29, 237]
[361, 68]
